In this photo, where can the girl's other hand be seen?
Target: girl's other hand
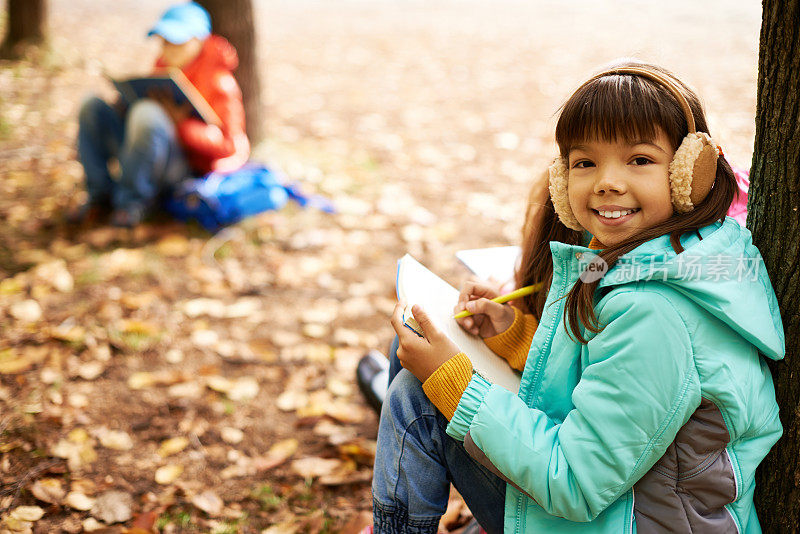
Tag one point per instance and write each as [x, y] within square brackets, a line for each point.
[489, 318]
[421, 356]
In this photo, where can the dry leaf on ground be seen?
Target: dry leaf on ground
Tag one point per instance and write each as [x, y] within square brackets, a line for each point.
[79, 501]
[209, 502]
[113, 507]
[49, 490]
[172, 446]
[277, 454]
[168, 474]
[313, 466]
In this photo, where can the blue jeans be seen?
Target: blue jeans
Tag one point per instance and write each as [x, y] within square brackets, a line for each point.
[416, 461]
[144, 142]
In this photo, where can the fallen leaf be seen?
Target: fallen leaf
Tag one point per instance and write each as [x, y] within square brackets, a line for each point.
[143, 523]
[174, 356]
[245, 388]
[27, 513]
[173, 245]
[141, 380]
[203, 306]
[204, 338]
[117, 440]
[358, 522]
[16, 526]
[244, 307]
[346, 412]
[12, 363]
[76, 449]
[186, 390]
[313, 466]
[113, 507]
[138, 301]
[219, 383]
[131, 326]
[277, 454]
[339, 387]
[79, 501]
[231, 435]
[91, 370]
[361, 450]
[292, 400]
[282, 338]
[349, 477]
[336, 433]
[10, 286]
[78, 435]
[209, 502]
[48, 490]
[71, 333]
[78, 400]
[286, 527]
[172, 446]
[90, 524]
[27, 311]
[56, 274]
[82, 485]
[168, 473]
[347, 337]
[315, 330]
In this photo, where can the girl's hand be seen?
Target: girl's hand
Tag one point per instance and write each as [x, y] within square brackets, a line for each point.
[421, 356]
[489, 318]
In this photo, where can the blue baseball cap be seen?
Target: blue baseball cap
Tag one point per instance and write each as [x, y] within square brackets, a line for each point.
[182, 22]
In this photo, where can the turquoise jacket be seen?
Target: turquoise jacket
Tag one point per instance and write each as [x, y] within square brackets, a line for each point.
[656, 424]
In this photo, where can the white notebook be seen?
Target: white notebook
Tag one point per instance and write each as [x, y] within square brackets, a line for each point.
[417, 285]
[496, 264]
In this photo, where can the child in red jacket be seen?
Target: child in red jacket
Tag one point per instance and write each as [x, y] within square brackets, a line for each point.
[156, 142]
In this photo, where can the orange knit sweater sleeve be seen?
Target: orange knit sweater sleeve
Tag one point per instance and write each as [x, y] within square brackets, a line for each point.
[513, 344]
[446, 385]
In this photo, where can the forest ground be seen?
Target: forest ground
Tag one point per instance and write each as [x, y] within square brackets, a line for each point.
[196, 383]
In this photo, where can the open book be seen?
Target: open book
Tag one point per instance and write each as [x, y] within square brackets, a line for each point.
[172, 83]
[417, 285]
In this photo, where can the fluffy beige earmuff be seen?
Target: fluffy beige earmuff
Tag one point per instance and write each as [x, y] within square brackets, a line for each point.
[691, 172]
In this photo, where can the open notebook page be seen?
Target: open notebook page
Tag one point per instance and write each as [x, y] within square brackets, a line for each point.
[417, 285]
[493, 263]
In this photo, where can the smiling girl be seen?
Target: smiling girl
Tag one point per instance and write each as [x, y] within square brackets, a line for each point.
[644, 404]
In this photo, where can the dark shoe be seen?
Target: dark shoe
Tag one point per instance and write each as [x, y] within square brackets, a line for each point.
[89, 213]
[128, 218]
[372, 376]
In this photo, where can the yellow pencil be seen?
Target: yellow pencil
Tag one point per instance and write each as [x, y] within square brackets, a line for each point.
[516, 294]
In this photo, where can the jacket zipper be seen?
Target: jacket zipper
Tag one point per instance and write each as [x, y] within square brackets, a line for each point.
[633, 510]
[535, 379]
[734, 469]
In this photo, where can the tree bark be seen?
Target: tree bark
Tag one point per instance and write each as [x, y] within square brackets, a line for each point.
[774, 219]
[233, 19]
[26, 26]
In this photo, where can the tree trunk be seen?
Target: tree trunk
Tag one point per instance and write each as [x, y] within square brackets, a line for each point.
[774, 219]
[26, 26]
[233, 19]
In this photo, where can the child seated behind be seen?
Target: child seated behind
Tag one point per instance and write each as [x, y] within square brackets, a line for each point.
[156, 142]
[644, 403]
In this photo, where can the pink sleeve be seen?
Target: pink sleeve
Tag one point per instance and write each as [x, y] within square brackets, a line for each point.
[738, 209]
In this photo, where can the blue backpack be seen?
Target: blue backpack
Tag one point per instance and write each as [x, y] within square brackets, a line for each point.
[220, 199]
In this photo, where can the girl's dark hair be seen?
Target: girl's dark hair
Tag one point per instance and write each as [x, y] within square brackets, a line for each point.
[616, 107]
